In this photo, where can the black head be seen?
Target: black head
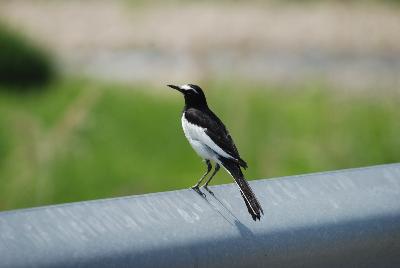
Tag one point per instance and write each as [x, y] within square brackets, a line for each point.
[194, 95]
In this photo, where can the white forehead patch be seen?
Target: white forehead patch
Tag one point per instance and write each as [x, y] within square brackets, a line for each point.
[187, 87]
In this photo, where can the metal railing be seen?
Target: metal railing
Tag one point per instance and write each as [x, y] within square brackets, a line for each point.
[348, 218]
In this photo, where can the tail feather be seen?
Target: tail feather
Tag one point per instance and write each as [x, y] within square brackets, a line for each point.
[252, 204]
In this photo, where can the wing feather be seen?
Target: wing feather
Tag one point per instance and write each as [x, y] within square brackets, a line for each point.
[217, 133]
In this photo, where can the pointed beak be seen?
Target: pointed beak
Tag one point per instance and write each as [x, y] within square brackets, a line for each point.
[176, 87]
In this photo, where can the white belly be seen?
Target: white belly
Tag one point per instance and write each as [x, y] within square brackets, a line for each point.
[195, 134]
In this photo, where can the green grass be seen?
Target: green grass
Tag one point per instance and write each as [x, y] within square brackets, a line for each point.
[82, 140]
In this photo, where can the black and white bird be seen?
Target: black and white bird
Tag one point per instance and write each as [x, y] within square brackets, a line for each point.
[211, 140]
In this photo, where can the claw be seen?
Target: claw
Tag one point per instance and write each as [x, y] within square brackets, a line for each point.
[208, 190]
[197, 190]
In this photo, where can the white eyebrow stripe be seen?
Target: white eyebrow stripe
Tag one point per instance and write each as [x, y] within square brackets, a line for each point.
[187, 87]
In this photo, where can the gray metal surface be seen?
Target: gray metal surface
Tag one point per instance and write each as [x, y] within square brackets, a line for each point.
[348, 218]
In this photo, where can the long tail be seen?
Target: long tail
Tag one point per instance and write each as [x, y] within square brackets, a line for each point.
[252, 204]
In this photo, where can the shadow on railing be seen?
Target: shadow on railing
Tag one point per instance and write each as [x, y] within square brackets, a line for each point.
[348, 218]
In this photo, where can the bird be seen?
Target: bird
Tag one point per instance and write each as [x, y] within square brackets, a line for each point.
[211, 140]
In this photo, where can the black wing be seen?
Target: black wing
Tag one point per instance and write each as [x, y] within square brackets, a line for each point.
[216, 130]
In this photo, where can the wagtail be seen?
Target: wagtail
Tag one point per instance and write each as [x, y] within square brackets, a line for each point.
[211, 140]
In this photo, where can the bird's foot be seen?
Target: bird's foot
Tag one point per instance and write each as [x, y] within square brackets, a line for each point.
[197, 190]
[208, 190]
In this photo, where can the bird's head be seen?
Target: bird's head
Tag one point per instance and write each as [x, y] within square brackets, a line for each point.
[193, 94]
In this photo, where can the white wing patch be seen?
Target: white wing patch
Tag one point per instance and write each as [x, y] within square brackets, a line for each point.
[196, 134]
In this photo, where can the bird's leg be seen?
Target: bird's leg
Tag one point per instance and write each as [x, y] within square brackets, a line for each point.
[196, 186]
[217, 166]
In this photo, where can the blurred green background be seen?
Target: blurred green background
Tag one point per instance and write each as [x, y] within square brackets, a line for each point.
[86, 116]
